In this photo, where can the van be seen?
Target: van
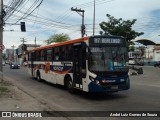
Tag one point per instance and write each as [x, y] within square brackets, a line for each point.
[131, 61]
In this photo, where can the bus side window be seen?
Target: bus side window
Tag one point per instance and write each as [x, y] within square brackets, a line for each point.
[37, 54]
[61, 53]
[56, 54]
[64, 53]
[49, 54]
[42, 55]
[69, 52]
[33, 56]
[45, 54]
[52, 54]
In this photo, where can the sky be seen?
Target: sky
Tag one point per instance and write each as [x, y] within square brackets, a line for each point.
[55, 16]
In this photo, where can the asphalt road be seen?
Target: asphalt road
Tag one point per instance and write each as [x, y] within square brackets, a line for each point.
[144, 94]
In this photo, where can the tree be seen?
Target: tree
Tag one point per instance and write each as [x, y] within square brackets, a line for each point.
[131, 48]
[57, 38]
[119, 27]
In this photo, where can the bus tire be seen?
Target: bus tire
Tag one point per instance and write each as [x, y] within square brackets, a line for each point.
[70, 85]
[38, 76]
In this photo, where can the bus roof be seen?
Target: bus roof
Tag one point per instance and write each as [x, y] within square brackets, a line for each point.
[60, 44]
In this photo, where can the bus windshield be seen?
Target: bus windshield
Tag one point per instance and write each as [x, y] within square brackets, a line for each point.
[107, 58]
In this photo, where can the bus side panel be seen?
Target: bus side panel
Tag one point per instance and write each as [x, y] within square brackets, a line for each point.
[85, 84]
[59, 79]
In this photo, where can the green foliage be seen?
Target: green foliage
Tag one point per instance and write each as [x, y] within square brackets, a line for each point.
[119, 27]
[131, 48]
[57, 38]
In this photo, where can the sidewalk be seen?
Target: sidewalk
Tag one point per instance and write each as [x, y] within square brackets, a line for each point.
[17, 100]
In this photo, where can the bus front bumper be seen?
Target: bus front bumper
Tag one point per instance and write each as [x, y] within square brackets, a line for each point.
[93, 87]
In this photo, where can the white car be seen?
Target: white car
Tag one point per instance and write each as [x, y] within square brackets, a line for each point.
[131, 61]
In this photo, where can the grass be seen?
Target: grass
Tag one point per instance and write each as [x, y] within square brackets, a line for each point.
[4, 88]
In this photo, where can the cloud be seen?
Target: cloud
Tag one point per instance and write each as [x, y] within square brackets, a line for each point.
[55, 16]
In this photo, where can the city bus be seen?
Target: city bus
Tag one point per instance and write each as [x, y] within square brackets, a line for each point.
[91, 64]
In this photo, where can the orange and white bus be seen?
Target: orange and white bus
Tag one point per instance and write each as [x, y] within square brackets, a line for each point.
[91, 64]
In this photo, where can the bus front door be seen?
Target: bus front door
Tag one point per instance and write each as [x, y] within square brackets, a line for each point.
[77, 77]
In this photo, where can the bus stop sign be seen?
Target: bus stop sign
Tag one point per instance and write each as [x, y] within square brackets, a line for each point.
[2, 47]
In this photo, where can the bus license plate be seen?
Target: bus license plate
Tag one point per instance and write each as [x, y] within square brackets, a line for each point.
[114, 87]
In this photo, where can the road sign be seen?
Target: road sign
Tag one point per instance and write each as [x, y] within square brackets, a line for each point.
[2, 47]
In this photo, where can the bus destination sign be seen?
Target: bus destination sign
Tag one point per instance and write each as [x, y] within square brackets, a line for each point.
[106, 40]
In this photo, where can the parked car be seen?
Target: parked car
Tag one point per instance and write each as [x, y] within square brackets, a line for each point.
[15, 65]
[157, 64]
[131, 61]
[140, 63]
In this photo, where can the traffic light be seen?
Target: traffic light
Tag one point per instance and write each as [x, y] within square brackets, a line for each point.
[23, 27]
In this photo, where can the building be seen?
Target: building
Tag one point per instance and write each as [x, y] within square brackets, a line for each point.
[151, 51]
[138, 55]
[10, 55]
[156, 53]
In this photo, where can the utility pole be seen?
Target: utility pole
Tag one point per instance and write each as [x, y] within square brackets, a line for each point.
[1, 39]
[22, 56]
[35, 42]
[79, 11]
[94, 19]
[23, 41]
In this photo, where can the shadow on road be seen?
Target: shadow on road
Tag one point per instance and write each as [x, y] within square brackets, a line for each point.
[89, 96]
[100, 96]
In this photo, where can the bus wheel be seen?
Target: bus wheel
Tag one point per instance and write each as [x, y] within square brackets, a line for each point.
[70, 85]
[39, 77]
